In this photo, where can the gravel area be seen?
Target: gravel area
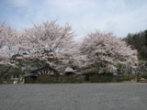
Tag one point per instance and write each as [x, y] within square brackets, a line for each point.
[100, 96]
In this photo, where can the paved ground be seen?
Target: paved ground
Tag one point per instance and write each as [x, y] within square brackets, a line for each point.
[108, 96]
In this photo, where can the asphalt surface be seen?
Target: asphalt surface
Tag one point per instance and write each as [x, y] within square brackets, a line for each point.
[106, 96]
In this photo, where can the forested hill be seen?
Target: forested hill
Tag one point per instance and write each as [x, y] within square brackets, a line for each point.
[138, 41]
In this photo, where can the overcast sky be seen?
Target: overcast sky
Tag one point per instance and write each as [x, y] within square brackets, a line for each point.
[118, 16]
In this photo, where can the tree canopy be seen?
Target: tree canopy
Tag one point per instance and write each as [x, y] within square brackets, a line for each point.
[50, 45]
[106, 50]
[138, 41]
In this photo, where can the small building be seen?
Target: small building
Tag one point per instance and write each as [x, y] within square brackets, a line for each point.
[30, 77]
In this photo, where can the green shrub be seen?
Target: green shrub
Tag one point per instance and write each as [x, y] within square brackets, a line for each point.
[144, 75]
[81, 78]
[59, 79]
[121, 78]
[0, 81]
[129, 77]
[101, 78]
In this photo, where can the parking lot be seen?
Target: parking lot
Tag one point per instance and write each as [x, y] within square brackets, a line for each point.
[100, 96]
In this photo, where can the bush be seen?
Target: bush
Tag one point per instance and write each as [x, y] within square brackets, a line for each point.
[0, 81]
[59, 79]
[144, 75]
[101, 78]
[94, 78]
[121, 78]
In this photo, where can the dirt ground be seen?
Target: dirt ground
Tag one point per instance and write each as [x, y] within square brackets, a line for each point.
[100, 96]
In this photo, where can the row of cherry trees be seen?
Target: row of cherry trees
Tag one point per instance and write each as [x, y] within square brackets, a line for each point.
[50, 45]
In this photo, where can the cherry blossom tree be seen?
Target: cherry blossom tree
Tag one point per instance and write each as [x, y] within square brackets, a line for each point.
[8, 40]
[45, 44]
[104, 50]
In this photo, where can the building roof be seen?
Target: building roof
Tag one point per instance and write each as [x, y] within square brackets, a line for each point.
[30, 74]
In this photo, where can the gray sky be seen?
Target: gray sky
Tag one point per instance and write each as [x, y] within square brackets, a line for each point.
[118, 16]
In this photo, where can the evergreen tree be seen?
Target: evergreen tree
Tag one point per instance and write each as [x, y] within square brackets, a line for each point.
[138, 41]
